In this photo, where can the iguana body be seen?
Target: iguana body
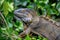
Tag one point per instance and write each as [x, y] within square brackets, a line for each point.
[38, 24]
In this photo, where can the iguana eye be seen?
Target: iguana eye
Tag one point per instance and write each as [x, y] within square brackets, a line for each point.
[29, 15]
[25, 19]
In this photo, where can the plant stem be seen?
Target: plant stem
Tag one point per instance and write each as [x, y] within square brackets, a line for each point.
[4, 19]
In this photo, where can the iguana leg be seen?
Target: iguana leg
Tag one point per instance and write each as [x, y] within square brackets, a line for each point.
[27, 31]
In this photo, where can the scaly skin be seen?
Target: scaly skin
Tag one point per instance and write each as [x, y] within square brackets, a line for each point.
[39, 25]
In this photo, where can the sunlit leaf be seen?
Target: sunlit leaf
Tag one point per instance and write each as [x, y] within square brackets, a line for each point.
[44, 1]
[54, 4]
[5, 8]
[1, 2]
[33, 38]
[27, 38]
[11, 8]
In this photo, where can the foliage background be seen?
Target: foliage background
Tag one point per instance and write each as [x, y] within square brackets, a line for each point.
[10, 28]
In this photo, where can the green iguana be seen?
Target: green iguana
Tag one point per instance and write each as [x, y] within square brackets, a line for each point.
[39, 25]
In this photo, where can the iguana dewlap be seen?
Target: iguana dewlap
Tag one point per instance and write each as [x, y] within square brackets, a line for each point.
[38, 24]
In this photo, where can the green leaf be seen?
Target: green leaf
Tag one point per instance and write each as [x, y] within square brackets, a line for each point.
[11, 8]
[44, 11]
[1, 2]
[58, 7]
[54, 4]
[27, 37]
[30, 6]
[10, 25]
[44, 1]
[45, 39]
[18, 25]
[5, 8]
[33, 38]
[40, 38]
[19, 39]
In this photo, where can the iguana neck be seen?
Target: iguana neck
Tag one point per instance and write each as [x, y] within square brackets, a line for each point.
[35, 19]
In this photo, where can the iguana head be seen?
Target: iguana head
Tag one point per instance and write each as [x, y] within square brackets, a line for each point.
[25, 14]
